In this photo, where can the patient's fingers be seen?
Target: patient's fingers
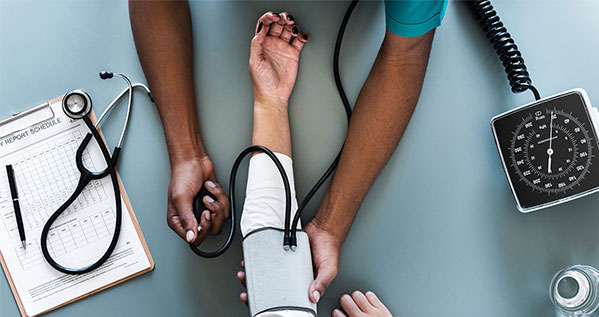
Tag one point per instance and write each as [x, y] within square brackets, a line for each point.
[241, 278]
[289, 19]
[244, 298]
[262, 27]
[288, 32]
[301, 40]
[277, 28]
[264, 23]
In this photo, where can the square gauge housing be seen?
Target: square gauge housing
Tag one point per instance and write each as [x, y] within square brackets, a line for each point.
[549, 149]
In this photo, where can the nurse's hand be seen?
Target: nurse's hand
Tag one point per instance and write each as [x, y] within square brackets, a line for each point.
[186, 181]
[325, 258]
[274, 57]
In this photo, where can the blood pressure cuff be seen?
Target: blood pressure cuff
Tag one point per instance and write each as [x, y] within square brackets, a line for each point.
[276, 279]
[411, 18]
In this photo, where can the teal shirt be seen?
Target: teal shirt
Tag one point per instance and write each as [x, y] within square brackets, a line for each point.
[412, 18]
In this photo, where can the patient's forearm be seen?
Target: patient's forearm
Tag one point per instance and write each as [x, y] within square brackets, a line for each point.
[164, 41]
[271, 127]
[381, 115]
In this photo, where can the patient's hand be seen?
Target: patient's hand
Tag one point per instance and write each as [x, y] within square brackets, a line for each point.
[361, 305]
[273, 60]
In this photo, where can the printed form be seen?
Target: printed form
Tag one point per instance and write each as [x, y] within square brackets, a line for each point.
[43, 158]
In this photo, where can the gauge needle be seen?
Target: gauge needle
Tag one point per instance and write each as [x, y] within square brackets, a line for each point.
[543, 141]
[550, 149]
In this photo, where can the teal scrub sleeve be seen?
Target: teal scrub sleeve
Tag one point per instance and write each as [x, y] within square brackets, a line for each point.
[412, 18]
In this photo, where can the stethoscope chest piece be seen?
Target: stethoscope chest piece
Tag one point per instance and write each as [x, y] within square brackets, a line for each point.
[76, 104]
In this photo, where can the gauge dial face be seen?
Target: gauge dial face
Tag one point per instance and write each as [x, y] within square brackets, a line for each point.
[549, 150]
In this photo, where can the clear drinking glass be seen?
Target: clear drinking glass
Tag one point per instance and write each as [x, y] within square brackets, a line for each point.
[574, 291]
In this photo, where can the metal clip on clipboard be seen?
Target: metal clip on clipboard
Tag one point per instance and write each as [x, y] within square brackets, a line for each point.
[39, 114]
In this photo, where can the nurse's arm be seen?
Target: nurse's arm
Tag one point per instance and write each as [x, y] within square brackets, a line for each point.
[381, 115]
[164, 42]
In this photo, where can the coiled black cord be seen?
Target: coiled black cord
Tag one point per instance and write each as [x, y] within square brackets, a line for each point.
[504, 45]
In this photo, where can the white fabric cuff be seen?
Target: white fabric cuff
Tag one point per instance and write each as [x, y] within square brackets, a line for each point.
[265, 194]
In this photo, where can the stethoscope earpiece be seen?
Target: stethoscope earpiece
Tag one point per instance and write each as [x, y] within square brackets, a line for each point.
[105, 75]
[76, 104]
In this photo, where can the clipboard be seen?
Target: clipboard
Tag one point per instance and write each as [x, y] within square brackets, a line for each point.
[44, 113]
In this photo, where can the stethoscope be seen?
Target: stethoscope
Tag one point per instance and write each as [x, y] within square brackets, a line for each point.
[77, 104]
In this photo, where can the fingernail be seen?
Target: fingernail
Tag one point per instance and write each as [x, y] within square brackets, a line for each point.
[189, 236]
[290, 17]
[305, 37]
[208, 215]
[210, 183]
[295, 30]
[209, 199]
[316, 295]
[259, 29]
[276, 14]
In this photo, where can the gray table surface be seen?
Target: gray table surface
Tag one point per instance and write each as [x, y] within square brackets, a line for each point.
[438, 234]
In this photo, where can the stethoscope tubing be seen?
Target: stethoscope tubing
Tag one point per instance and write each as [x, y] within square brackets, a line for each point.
[84, 179]
[86, 176]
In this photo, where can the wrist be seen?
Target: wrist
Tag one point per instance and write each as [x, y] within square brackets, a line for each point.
[336, 213]
[186, 151]
[269, 102]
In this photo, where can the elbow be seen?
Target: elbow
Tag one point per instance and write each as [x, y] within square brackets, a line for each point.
[399, 50]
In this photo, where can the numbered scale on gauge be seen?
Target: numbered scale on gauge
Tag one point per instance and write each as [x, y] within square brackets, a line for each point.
[549, 150]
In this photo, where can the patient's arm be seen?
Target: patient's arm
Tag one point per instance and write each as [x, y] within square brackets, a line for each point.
[164, 41]
[273, 67]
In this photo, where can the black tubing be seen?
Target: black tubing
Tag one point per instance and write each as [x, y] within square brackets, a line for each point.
[232, 179]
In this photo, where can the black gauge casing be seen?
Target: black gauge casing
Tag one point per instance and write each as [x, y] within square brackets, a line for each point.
[549, 150]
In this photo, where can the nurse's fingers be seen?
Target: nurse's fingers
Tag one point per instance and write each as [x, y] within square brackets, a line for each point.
[217, 211]
[205, 227]
[349, 306]
[221, 196]
[182, 207]
[301, 40]
[174, 221]
[288, 32]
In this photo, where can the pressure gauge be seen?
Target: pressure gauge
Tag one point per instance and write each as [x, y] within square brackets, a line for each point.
[549, 149]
